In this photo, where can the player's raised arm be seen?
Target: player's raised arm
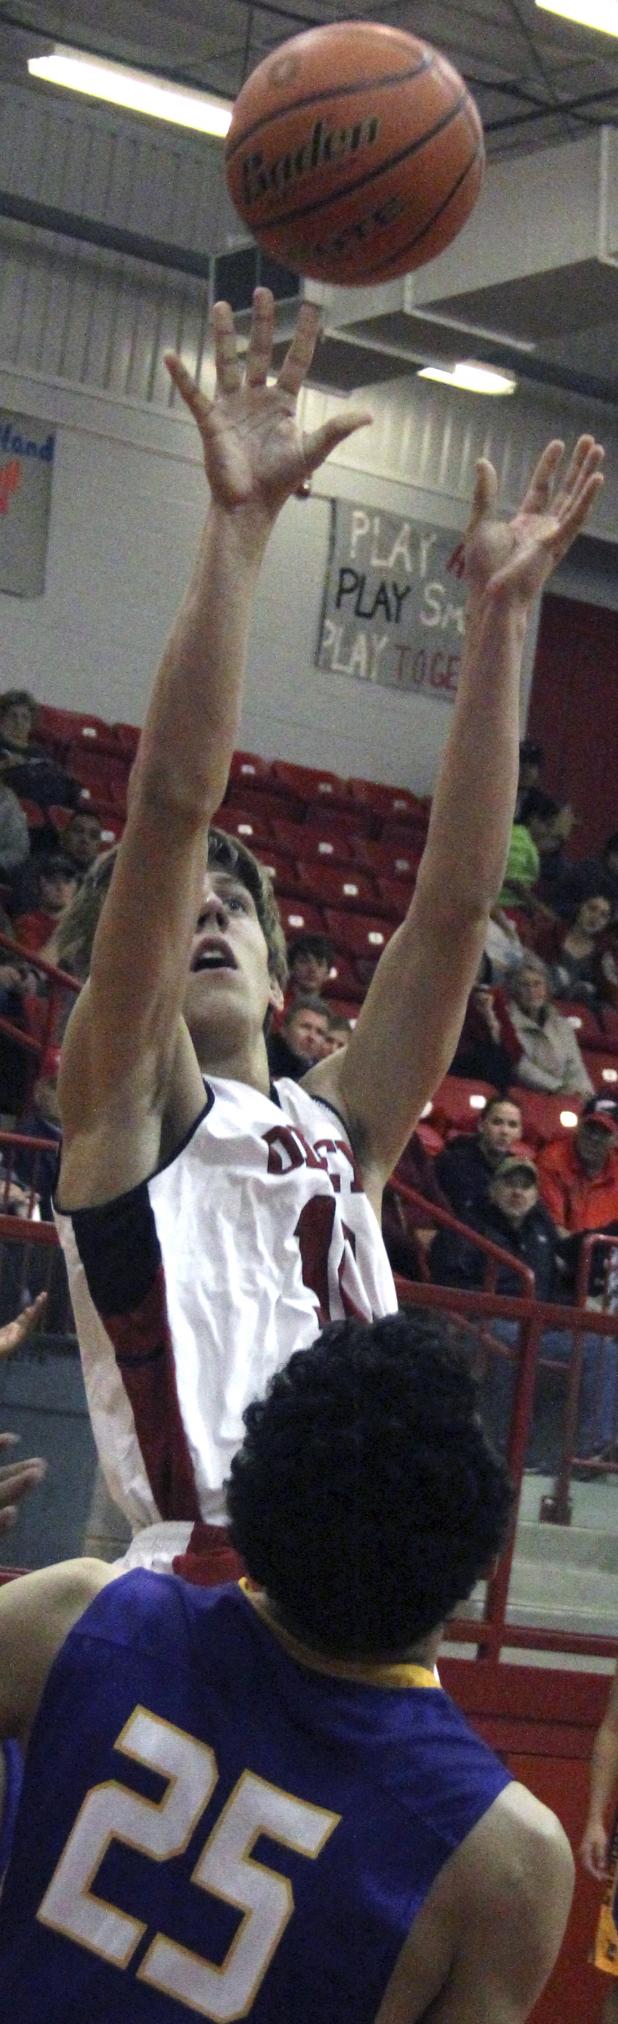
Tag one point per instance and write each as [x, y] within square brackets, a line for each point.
[123, 1043]
[410, 1023]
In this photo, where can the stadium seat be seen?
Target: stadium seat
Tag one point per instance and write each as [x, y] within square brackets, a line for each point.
[385, 861]
[299, 918]
[95, 735]
[284, 873]
[546, 1117]
[406, 836]
[603, 1071]
[342, 981]
[597, 1032]
[302, 840]
[394, 897]
[390, 804]
[112, 827]
[337, 886]
[311, 785]
[127, 737]
[249, 770]
[248, 824]
[337, 822]
[457, 1103]
[358, 934]
[96, 769]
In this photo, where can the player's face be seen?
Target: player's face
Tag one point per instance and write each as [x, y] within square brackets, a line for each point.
[229, 977]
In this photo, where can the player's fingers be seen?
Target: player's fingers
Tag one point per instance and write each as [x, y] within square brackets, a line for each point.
[580, 470]
[485, 492]
[536, 497]
[17, 1477]
[7, 1517]
[259, 353]
[227, 362]
[197, 402]
[318, 444]
[16, 1332]
[573, 517]
[299, 355]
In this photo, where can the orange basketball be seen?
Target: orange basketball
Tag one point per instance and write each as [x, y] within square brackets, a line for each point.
[355, 153]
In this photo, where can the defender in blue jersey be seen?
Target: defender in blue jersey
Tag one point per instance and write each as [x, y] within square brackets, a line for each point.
[257, 1801]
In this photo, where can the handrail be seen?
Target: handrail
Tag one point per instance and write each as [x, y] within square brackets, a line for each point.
[493, 1252]
[34, 961]
[589, 1244]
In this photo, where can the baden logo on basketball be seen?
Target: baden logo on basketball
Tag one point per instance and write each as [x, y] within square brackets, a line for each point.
[323, 144]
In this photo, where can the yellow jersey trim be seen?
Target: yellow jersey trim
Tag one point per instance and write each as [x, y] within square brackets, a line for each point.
[367, 1674]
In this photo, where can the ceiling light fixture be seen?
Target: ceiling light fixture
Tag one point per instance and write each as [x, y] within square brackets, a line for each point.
[470, 378]
[134, 90]
[599, 14]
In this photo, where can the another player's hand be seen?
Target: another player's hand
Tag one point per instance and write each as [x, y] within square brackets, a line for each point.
[16, 1332]
[594, 1850]
[16, 1479]
[516, 556]
[254, 452]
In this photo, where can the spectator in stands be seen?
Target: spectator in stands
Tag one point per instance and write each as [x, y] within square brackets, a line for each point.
[14, 837]
[81, 840]
[488, 1046]
[337, 1033]
[79, 846]
[465, 1167]
[502, 945]
[42, 1120]
[578, 1174]
[309, 962]
[514, 1218]
[26, 767]
[531, 760]
[580, 957]
[591, 875]
[301, 1038]
[549, 1056]
[57, 885]
[535, 839]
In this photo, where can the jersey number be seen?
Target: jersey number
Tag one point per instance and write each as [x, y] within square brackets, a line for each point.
[225, 1867]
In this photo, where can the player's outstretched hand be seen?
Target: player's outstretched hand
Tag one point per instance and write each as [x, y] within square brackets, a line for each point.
[16, 1332]
[16, 1479]
[594, 1850]
[516, 556]
[254, 452]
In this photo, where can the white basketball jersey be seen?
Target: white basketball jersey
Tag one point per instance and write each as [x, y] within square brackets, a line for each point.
[255, 1234]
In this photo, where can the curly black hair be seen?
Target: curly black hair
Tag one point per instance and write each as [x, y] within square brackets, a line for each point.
[366, 1499]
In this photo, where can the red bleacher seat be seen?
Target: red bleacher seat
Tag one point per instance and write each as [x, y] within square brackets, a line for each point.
[336, 822]
[249, 770]
[299, 918]
[596, 1031]
[457, 1103]
[391, 804]
[127, 737]
[95, 735]
[408, 835]
[603, 1071]
[284, 873]
[337, 885]
[305, 841]
[393, 897]
[342, 981]
[384, 860]
[269, 805]
[544, 1116]
[359, 934]
[111, 830]
[310, 784]
[247, 823]
[98, 770]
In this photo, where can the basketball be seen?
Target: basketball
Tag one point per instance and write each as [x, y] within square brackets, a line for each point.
[355, 153]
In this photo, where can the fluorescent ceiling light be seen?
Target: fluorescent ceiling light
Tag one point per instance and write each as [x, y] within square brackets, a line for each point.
[134, 90]
[471, 378]
[601, 14]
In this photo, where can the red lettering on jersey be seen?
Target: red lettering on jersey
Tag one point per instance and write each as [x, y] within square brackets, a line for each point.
[288, 1149]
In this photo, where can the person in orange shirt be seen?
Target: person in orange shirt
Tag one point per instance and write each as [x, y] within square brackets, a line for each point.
[578, 1175]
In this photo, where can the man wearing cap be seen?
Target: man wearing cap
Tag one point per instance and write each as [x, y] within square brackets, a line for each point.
[514, 1218]
[578, 1173]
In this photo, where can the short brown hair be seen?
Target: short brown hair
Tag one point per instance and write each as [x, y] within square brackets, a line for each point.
[18, 696]
[78, 927]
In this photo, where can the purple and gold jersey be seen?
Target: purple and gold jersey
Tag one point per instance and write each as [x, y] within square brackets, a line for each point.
[215, 1823]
